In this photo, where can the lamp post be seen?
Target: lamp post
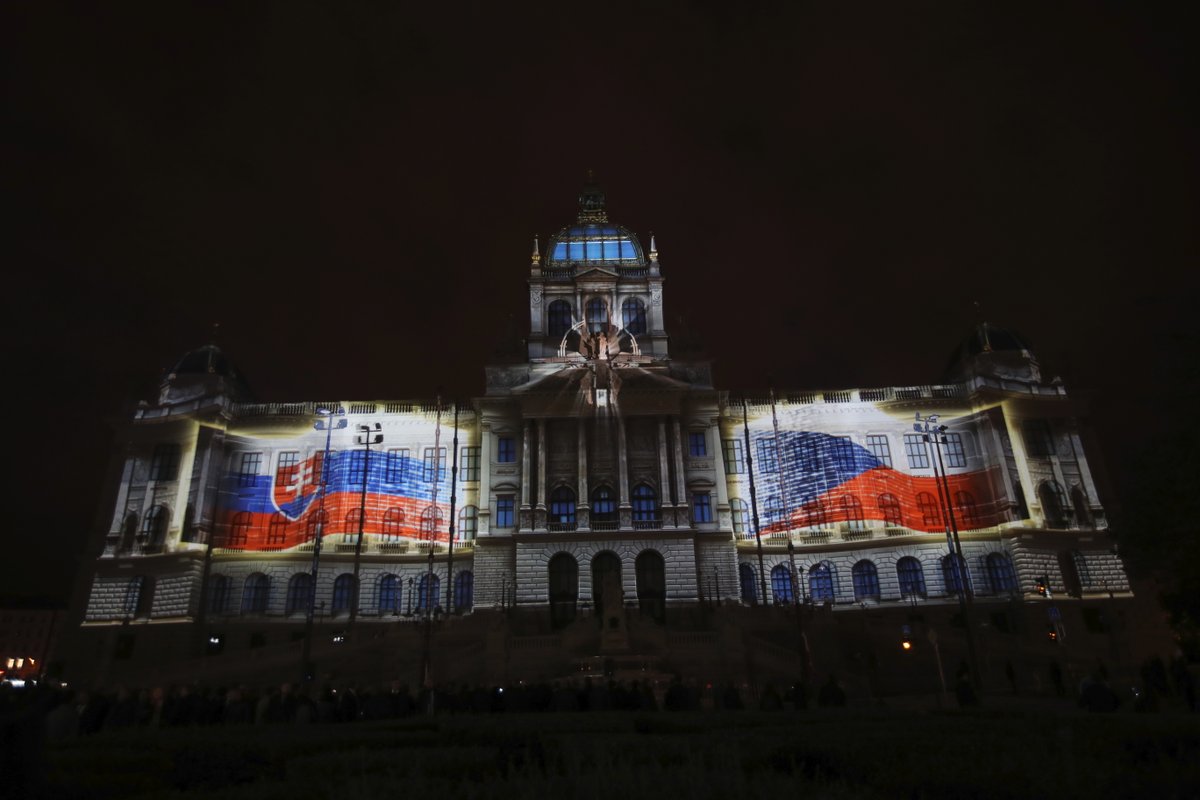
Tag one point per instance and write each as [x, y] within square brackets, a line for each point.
[429, 596]
[935, 436]
[762, 577]
[325, 423]
[367, 436]
[805, 655]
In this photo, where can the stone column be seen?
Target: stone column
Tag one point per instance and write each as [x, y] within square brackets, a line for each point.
[668, 514]
[526, 521]
[681, 511]
[485, 479]
[723, 517]
[582, 508]
[539, 514]
[625, 510]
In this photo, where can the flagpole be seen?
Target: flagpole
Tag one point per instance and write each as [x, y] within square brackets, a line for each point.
[805, 656]
[762, 577]
[453, 500]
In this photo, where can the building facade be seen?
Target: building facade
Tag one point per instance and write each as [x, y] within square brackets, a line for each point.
[599, 491]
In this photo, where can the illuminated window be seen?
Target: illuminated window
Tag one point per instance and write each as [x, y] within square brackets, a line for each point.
[389, 594]
[354, 518]
[277, 531]
[702, 507]
[952, 448]
[852, 510]
[393, 522]
[604, 508]
[814, 514]
[645, 505]
[697, 444]
[866, 581]
[633, 313]
[735, 462]
[397, 458]
[562, 507]
[597, 315]
[468, 464]
[239, 528]
[880, 449]
[248, 469]
[806, 451]
[968, 512]
[843, 448]
[916, 451]
[255, 593]
[468, 523]
[287, 470]
[820, 582]
[343, 593]
[1000, 573]
[741, 515]
[748, 584]
[889, 507]
[504, 511]
[1038, 440]
[218, 594]
[558, 318]
[781, 584]
[434, 469]
[506, 450]
[930, 515]
[299, 593]
[767, 461]
[955, 575]
[317, 523]
[464, 590]
[912, 577]
[428, 591]
[165, 464]
[431, 522]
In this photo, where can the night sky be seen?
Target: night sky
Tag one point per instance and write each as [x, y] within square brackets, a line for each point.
[352, 193]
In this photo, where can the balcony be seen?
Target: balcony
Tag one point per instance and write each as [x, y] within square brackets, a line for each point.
[605, 524]
[561, 527]
[647, 524]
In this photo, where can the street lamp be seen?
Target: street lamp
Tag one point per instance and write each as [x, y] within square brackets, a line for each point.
[367, 436]
[325, 422]
[935, 435]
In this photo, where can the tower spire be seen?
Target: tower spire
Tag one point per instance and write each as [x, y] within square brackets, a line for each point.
[591, 201]
[537, 253]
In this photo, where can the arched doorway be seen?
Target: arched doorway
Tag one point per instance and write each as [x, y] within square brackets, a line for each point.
[651, 584]
[607, 594]
[564, 589]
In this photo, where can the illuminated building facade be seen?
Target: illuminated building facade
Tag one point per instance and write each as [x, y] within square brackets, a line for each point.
[601, 498]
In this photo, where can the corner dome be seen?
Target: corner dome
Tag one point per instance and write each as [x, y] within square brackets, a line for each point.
[204, 370]
[995, 352]
[987, 338]
[206, 360]
[593, 239]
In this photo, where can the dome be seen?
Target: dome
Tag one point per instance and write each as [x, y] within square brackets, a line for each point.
[987, 338]
[996, 352]
[206, 360]
[202, 371]
[593, 239]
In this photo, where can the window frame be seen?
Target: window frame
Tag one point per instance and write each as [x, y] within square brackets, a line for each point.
[249, 459]
[506, 450]
[916, 451]
[506, 511]
[880, 447]
[733, 452]
[468, 465]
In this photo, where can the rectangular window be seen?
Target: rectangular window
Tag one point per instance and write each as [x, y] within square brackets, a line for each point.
[504, 511]
[735, 462]
[702, 507]
[697, 444]
[397, 457]
[952, 447]
[287, 470]
[878, 445]
[435, 469]
[165, 465]
[468, 464]
[248, 471]
[916, 451]
[844, 447]
[1037, 438]
[767, 462]
[806, 453]
[506, 450]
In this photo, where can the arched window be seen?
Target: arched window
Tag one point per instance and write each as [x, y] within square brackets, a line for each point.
[955, 575]
[749, 584]
[633, 316]
[154, 526]
[1076, 577]
[604, 509]
[866, 581]
[889, 509]
[218, 594]
[464, 591]
[239, 529]
[343, 593]
[431, 522]
[1083, 510]
[389, 594]
[299, 594]
[278, 529]
[912, 577]
[393, 523]
[468, 524]
[852, 510]
[741, 516]
[1000, 573]
[318, 521]
[820, 583]
[968, 512]
[1019, 499]
[139, 596]
[814, 514]
[1050, 495]
[350, 531]
[651, 584]
[564, 589]
[427, 591]
[645, 507]
[562, 509]
[781, 585]
[558, 318]
[128, 532]
[927, 504]
[597, 315]
[255, 593]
